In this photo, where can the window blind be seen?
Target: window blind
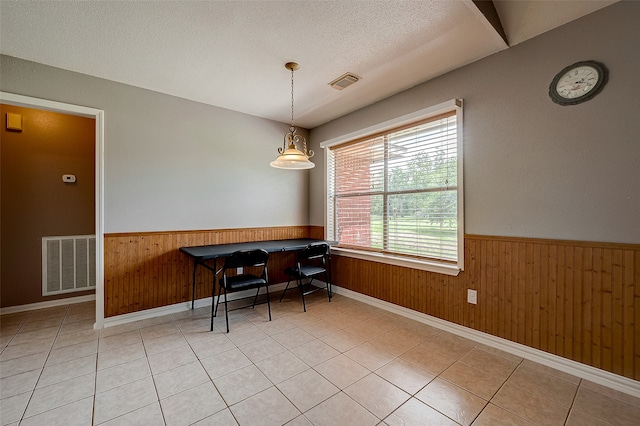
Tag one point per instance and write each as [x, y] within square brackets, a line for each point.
[396, 192]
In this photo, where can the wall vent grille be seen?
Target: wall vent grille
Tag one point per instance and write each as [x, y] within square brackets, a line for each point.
[68, 264]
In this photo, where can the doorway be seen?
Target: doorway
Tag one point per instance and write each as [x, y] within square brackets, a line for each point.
[98, 116]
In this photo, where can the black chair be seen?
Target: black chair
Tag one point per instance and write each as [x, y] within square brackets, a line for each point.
[313, 260]
[244, 281]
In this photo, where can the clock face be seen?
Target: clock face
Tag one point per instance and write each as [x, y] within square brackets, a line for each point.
[578, 83]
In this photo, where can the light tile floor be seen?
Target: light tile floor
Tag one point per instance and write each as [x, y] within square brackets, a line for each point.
[340, 363]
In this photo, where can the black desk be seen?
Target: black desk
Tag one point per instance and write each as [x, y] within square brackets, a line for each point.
[201, 254]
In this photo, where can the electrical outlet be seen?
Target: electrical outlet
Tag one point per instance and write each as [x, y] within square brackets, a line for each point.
[239, 271]
[472, 296]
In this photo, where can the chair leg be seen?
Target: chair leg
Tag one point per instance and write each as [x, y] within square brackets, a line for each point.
[309, 284]
[328, 283]
[226, 315]
[255, 299]
[304, 306]
[268, 302]
[328, 274]
[215, 312]
[285, 289]
[213, 293]
[217, 302]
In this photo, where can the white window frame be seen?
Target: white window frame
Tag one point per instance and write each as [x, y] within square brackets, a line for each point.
[394, 259]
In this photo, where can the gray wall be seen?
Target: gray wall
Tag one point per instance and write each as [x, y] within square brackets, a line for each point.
[174, 164]
[533, 168]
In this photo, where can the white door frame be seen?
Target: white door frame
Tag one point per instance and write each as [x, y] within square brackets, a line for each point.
[98, 115]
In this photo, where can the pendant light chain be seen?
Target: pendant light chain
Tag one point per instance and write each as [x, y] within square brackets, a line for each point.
[292, 127]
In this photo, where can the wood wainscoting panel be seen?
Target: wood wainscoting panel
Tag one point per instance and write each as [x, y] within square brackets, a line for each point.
[578, 300]
[316, 232]
[146, 270]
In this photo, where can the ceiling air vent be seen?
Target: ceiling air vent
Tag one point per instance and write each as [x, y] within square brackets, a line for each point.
[343, 81]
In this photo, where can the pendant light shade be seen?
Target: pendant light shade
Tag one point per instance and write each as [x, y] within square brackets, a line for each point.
[290, 157]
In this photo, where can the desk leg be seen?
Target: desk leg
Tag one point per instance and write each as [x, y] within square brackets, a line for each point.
[213, 293]
[193, 290]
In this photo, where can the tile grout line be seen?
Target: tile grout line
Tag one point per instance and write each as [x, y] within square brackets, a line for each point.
[208, 375]
[153, 379]
[35, 386]
[283, 314]
[42, 368]
[573, 400]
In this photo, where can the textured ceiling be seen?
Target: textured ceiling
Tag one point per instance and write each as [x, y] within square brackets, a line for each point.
[232, 53]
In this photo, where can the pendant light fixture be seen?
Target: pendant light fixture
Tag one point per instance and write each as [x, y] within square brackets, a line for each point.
[290, 157]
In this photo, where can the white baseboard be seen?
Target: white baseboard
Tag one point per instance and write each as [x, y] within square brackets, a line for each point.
[604, 378]
[47, 304]
[180, 307]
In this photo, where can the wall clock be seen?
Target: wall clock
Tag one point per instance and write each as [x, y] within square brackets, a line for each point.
[578, 83]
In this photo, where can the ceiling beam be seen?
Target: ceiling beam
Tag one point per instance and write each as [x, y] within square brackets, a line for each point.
[488, 9]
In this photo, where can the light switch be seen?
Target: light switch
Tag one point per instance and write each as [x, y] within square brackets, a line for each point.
[14, 121]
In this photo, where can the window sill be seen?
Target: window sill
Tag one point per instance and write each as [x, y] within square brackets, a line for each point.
[424, 265]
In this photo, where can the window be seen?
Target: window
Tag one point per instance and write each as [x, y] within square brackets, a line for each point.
[396, 195]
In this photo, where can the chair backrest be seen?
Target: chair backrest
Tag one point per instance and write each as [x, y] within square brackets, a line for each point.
[246, 258]
[314, 251]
